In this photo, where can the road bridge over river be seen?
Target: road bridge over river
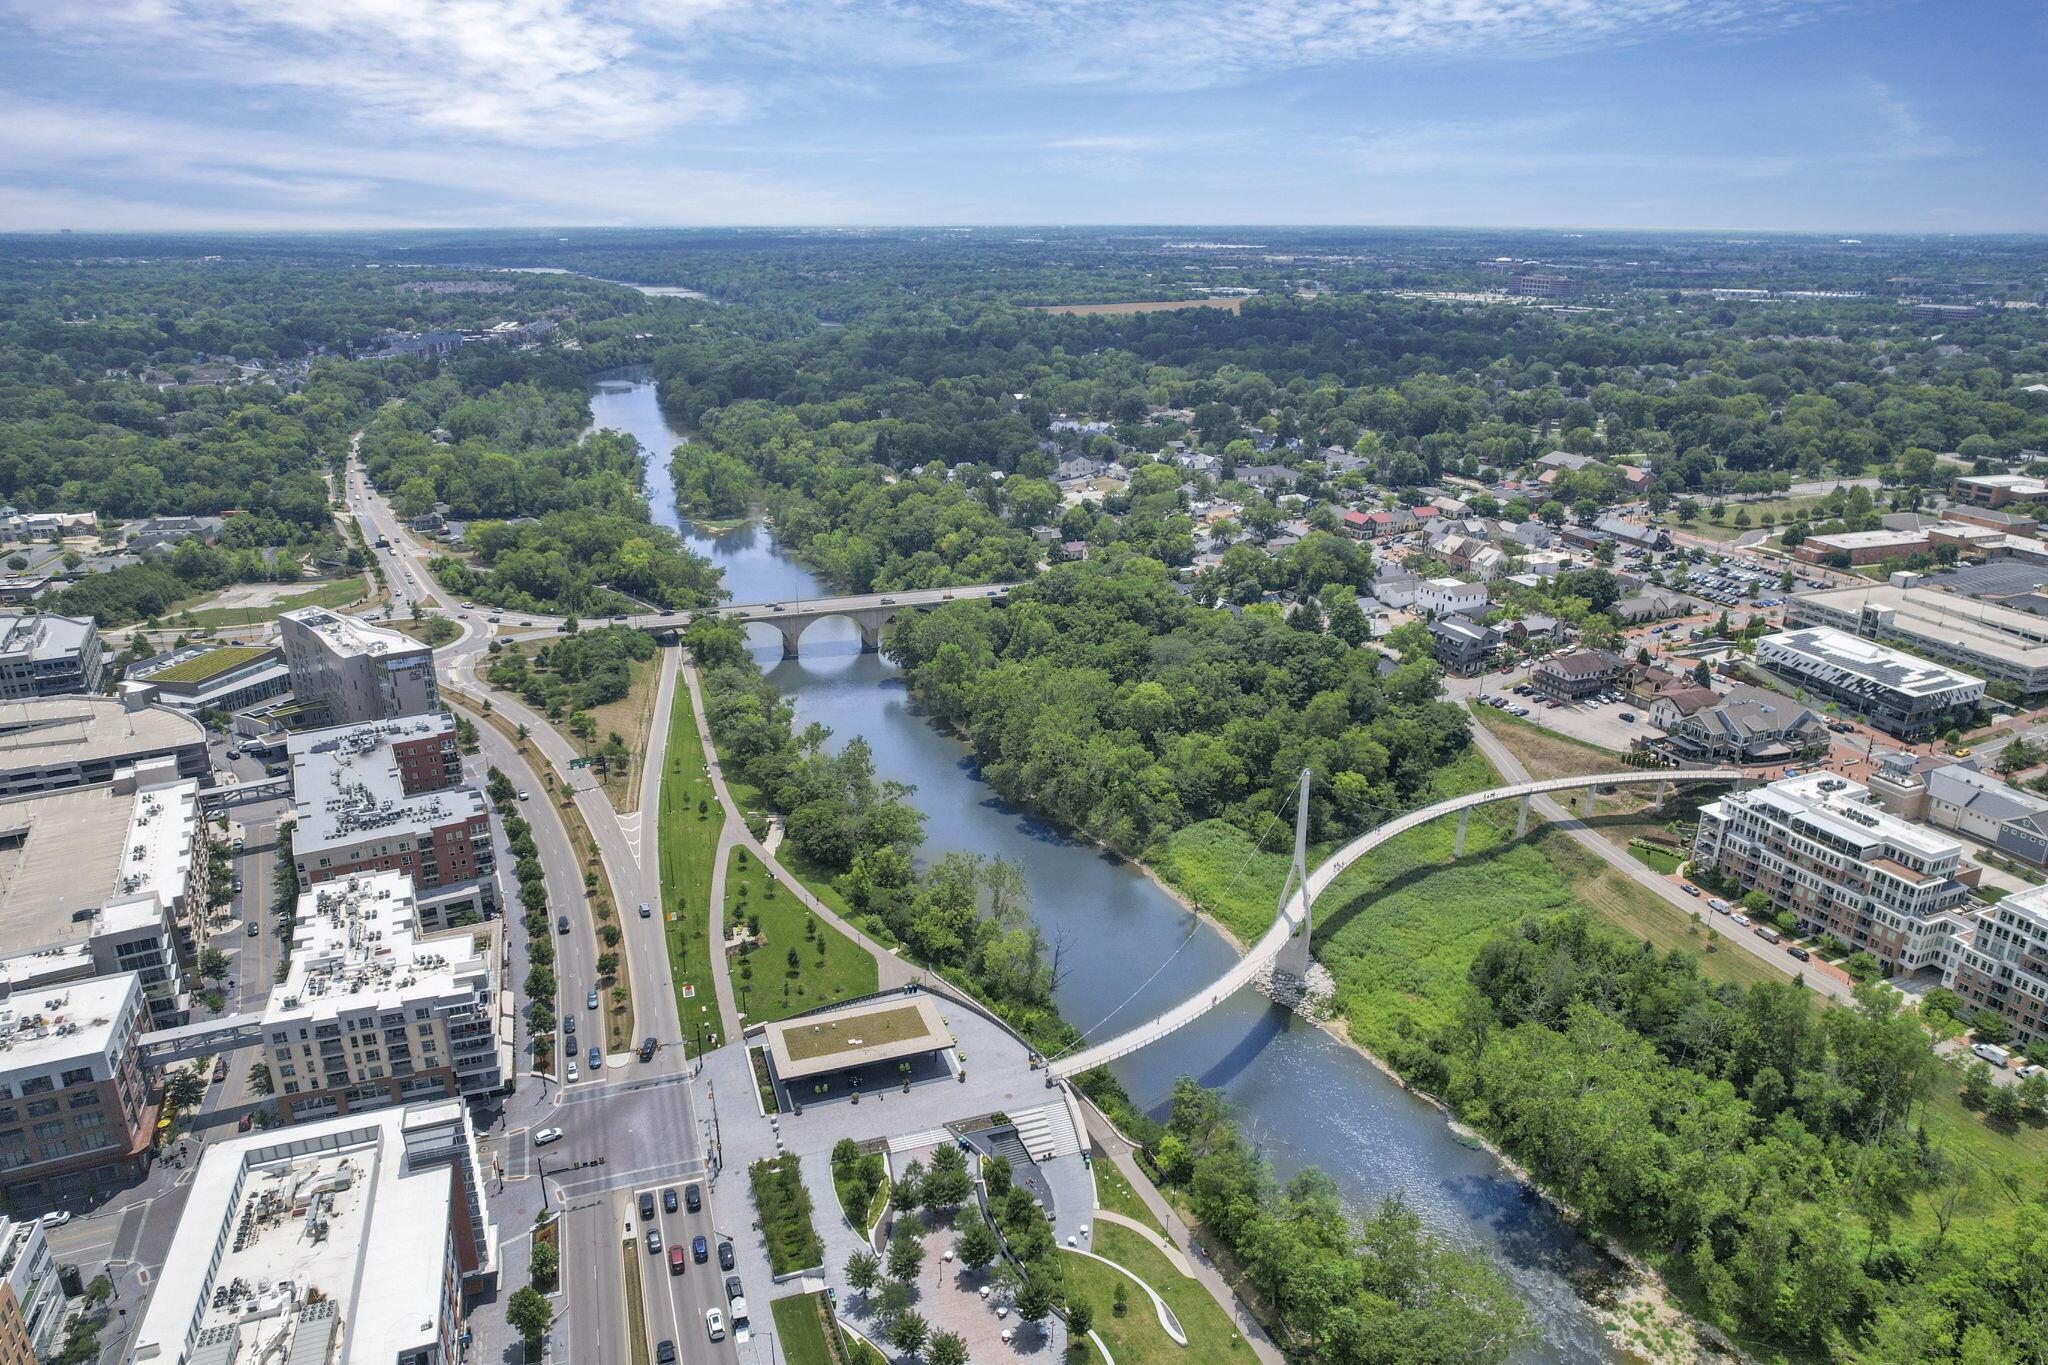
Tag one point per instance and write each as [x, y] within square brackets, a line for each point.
[1291, 926]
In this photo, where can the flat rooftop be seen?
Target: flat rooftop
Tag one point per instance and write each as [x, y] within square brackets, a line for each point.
[348, 636]
[69, 860]
[44, 1028]
[1870, 540]
[834, 1040]
[209, 663]
[43, 636]
[346, 786]
[1827, 647]
[1842, 809]
[356, 943]
[1957, 621]
[53, 731]
[331, 1210]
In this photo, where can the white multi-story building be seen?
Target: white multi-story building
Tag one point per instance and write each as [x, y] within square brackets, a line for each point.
[1821, 847]
[1450, 597]
[99, 880]
[1895, 691]
[374, 1011]
[349, 1240]
[31, 1297]
[356, 670]
[1990, 639]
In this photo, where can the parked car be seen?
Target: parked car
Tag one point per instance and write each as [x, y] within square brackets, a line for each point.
[646, 1208]
[668, 1200]
[677, 1260]
[1741, 918]
[725, 1256]
[1799, 954]
[1768, 934]
[665, 1353]
[1719, 906]
[568, 1023]
[1689, 888]
[654, 1241]
[569, 1077]
[596, 1061]
[732, 1286]
[693, 1199]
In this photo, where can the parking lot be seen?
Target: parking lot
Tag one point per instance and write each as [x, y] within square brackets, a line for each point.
[1610, 721]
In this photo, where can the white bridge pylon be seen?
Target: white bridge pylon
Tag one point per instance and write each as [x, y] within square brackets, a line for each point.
[1294, 913]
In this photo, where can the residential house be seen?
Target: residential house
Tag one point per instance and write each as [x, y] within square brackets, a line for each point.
[1649, 606]
[1461, 644]
[1450, 597]
[1748, 726]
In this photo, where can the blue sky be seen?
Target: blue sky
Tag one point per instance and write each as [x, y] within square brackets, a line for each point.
[1764, 114]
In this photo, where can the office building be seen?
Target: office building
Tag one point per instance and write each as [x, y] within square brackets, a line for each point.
[1905, 695]
[1998, 490]
[1997, 641]
[46, 656]
[355, 670]
[351, 1240]
[216, 677]
[101, 880]
[1951, 794]
[31, 1296]
[382, 797]
[1748, 726]
[56, 743]
[1821, 847]
[75, 1104]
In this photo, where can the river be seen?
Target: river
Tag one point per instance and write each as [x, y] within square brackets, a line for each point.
[1305, 1098]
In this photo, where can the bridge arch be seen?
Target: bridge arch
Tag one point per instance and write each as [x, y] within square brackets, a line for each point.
[1293, 921]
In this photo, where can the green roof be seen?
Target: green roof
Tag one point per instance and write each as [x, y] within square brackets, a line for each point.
[211, 664]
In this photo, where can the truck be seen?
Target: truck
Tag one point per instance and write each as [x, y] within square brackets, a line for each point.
[1768, 934]
[742, 1330]
[1992, 1053]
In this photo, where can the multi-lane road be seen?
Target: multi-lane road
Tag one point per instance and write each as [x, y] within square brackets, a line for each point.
[644, 1121]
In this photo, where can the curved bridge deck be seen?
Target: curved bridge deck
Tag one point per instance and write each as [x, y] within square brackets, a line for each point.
[1267, 949]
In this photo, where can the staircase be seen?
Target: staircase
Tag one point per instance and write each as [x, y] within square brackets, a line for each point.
[1046, 1132]
[913, 1142]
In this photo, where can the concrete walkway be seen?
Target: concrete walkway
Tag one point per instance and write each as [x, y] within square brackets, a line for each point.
[1111, 1143]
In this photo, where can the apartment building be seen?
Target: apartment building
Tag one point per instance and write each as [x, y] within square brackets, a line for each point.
[1581, 673]
[56, 743]
[1821, 847]
[1897, 692]
[46, 656]
[31, 1296]
[354, 1239]
[76, 1108]
[1998, 961]
[104, 880]
[377, 1011]
[384, 797]
[357, 671]
[1996, 642]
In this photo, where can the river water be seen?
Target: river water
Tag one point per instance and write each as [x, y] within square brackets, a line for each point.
[1302, 1096]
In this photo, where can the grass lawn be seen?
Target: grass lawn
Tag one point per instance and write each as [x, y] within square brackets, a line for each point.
[1212, 1337]
[1657, 859]
[341, 592]
[213, 662]
[689, 842]
[431, 629]
[800, 1322]
[829, 965]
[636, 1302]
[631, 718]
[1114, 1193]
[784, 1206]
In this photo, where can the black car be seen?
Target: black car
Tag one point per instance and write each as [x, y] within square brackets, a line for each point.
[700, 1250]
[668, 1201]
[1800, 953]
[561, 924]
[732, 1287]
[665, 1353]
[725, 1255]
[693, 1197]
[646, 1207]
[647, 1046]
[654, 1241]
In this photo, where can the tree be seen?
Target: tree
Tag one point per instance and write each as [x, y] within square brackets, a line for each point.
[863, 1271]
[1990, 1028]
[1080, 1316]
[529, 1315]
[978, 1245]
[947, 1184]
[260, 1082]
[995, 1173]
[213, 964]
[2004, 1106]
[1119, 1301]
[546, 1262]
[1034, 1298]
[185, 1088]
[906, 1255]
[907, 1332]
[907, 1194]
[946, 1348]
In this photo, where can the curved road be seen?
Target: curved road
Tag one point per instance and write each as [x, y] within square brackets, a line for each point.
[1267, 949]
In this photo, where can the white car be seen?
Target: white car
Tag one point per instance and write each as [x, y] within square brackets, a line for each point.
[714, 1324]
[55, 1218]
[1741, 919]
[1719, 906]
[543, 1136]
[571, 1074]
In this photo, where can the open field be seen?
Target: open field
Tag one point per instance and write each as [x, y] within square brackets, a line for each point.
[689, 843]
[1212, 1338]
[1114, 1193]
[1162, 306]
[828, 965]
[341, 592]
[800, 1323]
